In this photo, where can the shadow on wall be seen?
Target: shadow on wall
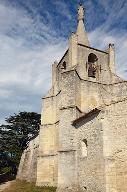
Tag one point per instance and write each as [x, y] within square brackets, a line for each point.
[7, 177]
[86, 118]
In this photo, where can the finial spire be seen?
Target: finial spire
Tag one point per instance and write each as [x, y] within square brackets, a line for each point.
[82, 35]
[80, 12]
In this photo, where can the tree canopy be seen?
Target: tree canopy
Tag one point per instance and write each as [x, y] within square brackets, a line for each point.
[15, 135]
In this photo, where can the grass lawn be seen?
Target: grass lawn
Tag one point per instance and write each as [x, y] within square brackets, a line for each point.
[22, 186]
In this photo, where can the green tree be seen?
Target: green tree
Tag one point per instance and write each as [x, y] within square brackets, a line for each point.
[15, 135]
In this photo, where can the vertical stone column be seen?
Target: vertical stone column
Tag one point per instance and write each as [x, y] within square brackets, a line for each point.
[20, 168]
[67, 154]
[110, 161]
[48, 141]
[73, 50]
[111, 51]
[54, 73]
[33, 164]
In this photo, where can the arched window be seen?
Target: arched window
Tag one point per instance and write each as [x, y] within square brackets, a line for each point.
[64, 65]
[84, 148]
[92, 65]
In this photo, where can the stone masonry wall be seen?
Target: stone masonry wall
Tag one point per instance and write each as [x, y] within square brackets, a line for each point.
[90, 165]
[28, 164]
[115, 146]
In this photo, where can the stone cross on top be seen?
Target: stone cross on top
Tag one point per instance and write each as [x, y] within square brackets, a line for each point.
[81, 12]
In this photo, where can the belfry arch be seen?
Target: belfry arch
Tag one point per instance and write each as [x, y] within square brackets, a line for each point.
[92, 65]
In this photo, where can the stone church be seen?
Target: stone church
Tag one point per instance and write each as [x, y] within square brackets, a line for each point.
[82, 145]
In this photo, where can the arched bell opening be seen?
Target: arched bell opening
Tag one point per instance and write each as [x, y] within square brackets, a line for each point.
[92, 65]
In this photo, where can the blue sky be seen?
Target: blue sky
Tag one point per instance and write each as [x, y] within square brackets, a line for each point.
[34, 33]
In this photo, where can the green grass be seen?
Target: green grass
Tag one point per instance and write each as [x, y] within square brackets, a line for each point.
[22, 186]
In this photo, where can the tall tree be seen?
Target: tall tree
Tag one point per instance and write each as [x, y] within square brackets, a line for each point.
[15, 136]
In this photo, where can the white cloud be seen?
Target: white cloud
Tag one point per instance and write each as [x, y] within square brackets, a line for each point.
[21, 64]
[62, 8]
[25, 71]
[11, 17]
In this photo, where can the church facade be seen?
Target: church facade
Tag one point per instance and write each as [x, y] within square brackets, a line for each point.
[82, 144]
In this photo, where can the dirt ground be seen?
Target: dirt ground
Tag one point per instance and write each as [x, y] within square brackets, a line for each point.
[5, 185]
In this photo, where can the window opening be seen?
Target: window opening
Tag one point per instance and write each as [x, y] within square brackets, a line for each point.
[64, 65]
[92, 65]
[84, 146]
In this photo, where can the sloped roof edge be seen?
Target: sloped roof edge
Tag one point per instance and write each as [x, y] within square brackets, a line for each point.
[85, 115]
